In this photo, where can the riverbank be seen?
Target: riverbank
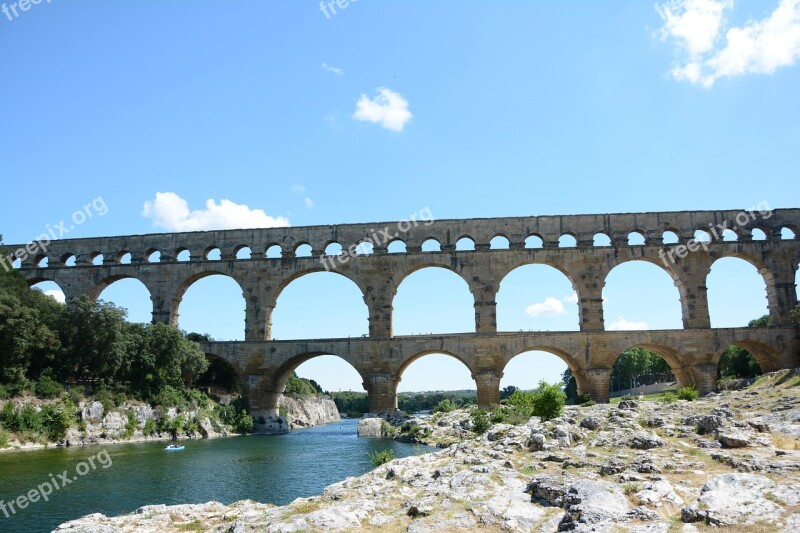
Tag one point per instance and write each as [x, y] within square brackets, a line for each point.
[730, 459]
[96, 424]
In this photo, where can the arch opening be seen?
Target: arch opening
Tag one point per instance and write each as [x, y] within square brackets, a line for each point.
[303, 250]
[397, 246]
[537, 297]
[465, 244]
[124, 258]
[433, 300]
[643, 370]
[243, 252]
[213, 254]
[567, 241]
[320, 305]
[757, 234]
[499, 242]
[212, 303]
[273, 251]
[431, 245]
[130, 294]
[68, 259]
[640, 295]
[534, 241]
[155, 256]
[788, 234]
[365, 248]
[669, 237]
[333, 249]
[433, 371]
[601, 239]
[729, 236]
[96, 258]
[736, 292]
[329, 373]
[51, 289]
[526, 369]
[635, 238]
[737, 363]
[182, 254]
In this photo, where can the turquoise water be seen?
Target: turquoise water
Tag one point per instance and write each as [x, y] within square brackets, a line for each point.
[270, 468]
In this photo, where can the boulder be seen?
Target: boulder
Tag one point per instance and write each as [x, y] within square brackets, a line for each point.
[537, 441]
[92, 413]
[645, 441]
[736, 499]
[628, 404]
[591, 503]
[369, 427]
[734, 439]
[591, 423]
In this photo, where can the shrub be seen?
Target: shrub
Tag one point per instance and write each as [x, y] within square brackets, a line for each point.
[47, 387]
[55, 420]
[688, 393]
[498, 416]
[669, 397]
[3, 438]
[76, 393]
[131, 424]
[588, 403]
[522, 402]
[480, 422]
[244, 423]
[105, 397]
[149, 428]
[381, 457]
[170, 397]
[3, 393]
[548, 401]
[445, 406]
[386, 428]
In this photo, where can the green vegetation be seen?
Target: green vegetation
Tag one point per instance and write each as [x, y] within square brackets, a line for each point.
[545, 401]
[688, 393]
[51, 422]
[356, 404]
[302, 387]
[381, 457]
[637, 367]
[480, 422]
[445, 406]
[669, 397]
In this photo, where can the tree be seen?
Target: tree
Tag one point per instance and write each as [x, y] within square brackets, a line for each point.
[570, 385]
[760, 322]
[21, 334]
[506, 392]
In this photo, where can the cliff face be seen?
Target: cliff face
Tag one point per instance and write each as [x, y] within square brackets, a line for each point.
[306, 411]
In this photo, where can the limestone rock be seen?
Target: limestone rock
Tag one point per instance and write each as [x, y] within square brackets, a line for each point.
[369, 427]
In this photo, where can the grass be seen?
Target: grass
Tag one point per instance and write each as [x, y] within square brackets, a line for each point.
[784, 442]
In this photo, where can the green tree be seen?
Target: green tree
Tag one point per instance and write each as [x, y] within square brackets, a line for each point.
[505, 392]
[21, 334]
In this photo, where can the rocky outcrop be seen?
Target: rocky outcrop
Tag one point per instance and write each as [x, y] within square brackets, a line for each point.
[307, 411]
[644, 467]
[370, 427]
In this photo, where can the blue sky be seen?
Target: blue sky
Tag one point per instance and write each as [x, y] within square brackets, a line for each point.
[472, 109]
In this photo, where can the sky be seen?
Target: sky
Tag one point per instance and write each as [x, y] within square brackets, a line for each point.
[257, 114]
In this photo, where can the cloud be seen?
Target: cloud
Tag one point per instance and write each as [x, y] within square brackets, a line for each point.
[56, 294]
[621, 324]
[711, 50]
[571, 298]
[335, 70]
[388, 108]
[171, 212]
[550, 307]
[309, 202]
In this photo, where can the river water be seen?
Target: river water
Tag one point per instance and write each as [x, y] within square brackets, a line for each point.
[270, 469]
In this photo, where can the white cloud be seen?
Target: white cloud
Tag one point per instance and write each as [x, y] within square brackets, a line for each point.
[388, 108]
[757, 47]
[550, 307]
[309, 202]
[571, 298]
[56, 295]
[621, 324]
[335, 70]
[171, 212]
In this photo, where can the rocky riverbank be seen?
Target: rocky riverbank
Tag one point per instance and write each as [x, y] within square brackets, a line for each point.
[139, 422]
[730, 459]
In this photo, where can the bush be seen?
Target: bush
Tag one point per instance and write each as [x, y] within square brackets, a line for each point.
[381, 457]
[170, 397]
[688, 393]
[588, 403]
[149, 428]
[548, 401]
[669, 397]
[480, 422]
[244, 423]
[3, 393]
[55, 421]
[131, 424]
[498, 416]
[105, 397]
[47, 387]
[3, 438]
[445, 406]
[76, 393]
[386, 428]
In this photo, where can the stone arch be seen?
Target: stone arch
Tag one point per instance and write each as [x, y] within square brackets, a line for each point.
[765, 355]
[212, 253]
[560, 299]
[396, 246]
[288, 366]
[107, 282]
[244, 250]
[677, 363]
[534, 241]
[189, 281]
[500, 242]
[677, 281]
[183, 254]
[432, 243]
[601, 238]
[401, 279]
[408, 361]
[465, 243]
[772, 295]
[52, 292]
[277, 309]
[68, 259]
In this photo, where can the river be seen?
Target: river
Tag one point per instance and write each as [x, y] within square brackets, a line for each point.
[270, 469]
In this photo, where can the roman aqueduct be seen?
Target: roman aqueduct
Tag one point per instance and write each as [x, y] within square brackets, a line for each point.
[264, 365]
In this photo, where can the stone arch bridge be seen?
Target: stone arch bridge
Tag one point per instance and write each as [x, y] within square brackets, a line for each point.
[168, 263]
